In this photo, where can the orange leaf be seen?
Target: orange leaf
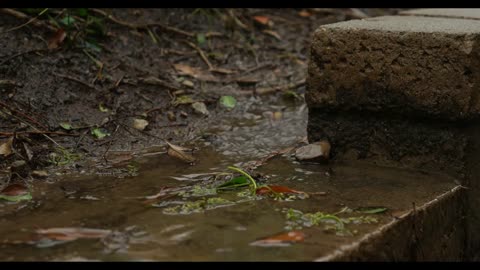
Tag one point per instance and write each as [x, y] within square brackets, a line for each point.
[261, 19]
[304, 13]
[14, 190]
[277, 189]
[57, 39]
[279, 240]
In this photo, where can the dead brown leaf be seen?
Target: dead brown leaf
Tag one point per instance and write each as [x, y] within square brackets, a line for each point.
[263, 20]
[179, 153]
[195, 73]
[6, 148]
[273, 34]
[55, 41]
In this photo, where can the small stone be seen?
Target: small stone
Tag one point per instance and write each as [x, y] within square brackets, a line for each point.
[317, 150]
[171, 116]
[40, 174]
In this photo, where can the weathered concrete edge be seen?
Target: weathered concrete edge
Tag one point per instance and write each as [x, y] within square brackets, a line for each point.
[417, 12]
[345, 252]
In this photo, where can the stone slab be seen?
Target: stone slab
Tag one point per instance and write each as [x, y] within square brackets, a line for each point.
[460, 13]
[409, 65]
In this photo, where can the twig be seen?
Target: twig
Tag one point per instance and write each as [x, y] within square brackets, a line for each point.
[45, 135]
[20, 54]
[201, 53]
[38, 132]
[156, 81]
[76, 80]
[9, 82]
[21, 15]
[22, 114]
[142, 26]
[268, 90]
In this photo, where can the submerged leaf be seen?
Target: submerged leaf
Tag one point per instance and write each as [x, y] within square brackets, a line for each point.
[179, 153]
[277, 189]
[371, 210]
[15, 193]
[228, 102]
[236, 182]
[280, 240]
[70, 234]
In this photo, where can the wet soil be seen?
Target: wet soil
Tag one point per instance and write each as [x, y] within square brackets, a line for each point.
[42, 88]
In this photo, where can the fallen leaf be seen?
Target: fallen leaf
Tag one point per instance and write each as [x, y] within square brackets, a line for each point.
[280, 240]
[100, 133]
[67, 20]
[371, 210]
[179, 153]
[223, 71]
[55, 41]
[140, 124]
[277, 189]
[70, 234]
[201, 39]
[188, 83]
[195, 73]
[304, 13]
[66, 126]
[236, 182]
[28, 151]
[171, 116]
[273, 34]
[102, 108]
[183, 100]
[263, 20]
[6, 148]
[200, 108]
[317, 150]
[40, 174]
[15, 193]
[228, 102]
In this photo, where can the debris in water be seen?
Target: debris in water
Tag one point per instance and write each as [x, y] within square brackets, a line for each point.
[179, 153]
[315, 151]
[280, 240]
[15, 193]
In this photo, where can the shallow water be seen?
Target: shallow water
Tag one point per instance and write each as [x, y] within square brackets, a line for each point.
[142, 232]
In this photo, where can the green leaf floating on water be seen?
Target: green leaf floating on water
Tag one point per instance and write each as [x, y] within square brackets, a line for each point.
[100, 133]
[236, 182]
[228, 102]
[371, 210]
[18, 198]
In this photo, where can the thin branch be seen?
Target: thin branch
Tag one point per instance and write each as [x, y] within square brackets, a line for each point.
[142, 26]
[201, 53]
[21, 15]
[37, 132]
[76, 80]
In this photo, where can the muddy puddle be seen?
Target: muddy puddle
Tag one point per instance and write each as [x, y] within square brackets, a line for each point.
[213, 231]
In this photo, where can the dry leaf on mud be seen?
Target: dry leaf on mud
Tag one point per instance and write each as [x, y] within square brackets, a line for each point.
[273, 34]
[195, 73]
[179, 153]
[6, 148]
[263, 20]
[55, 41]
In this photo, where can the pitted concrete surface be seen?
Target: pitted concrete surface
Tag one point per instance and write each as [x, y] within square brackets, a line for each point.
[403, 91]
[461, 13]
[420, 66]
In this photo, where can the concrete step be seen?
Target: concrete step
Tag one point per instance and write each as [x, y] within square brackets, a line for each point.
[403, 91]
